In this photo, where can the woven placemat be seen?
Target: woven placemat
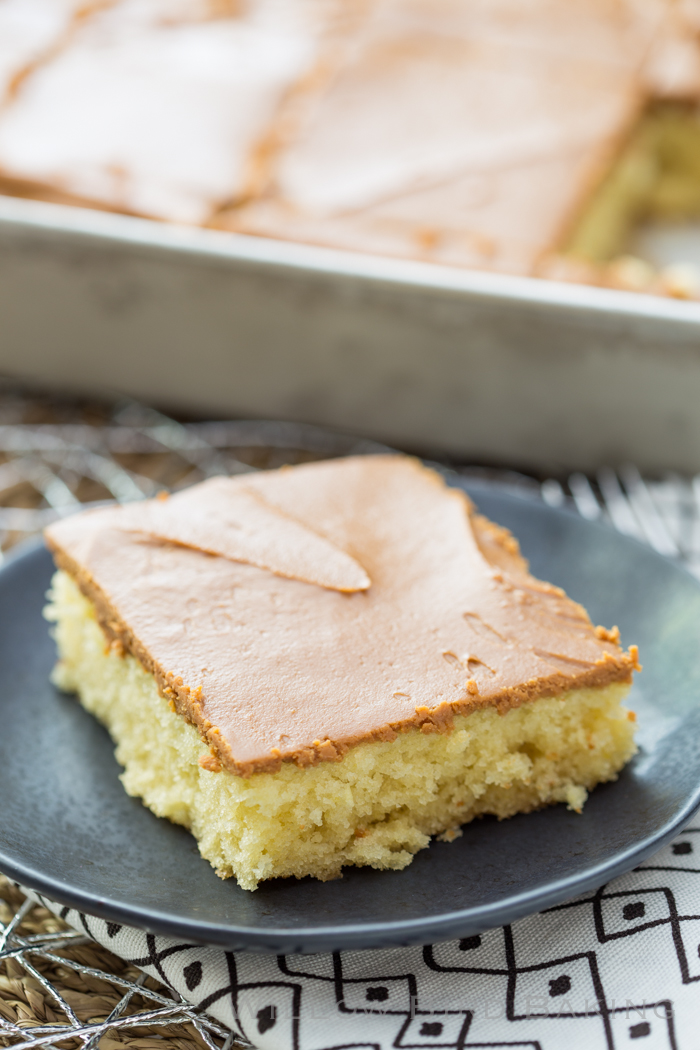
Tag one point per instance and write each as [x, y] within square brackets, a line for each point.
[59, 967]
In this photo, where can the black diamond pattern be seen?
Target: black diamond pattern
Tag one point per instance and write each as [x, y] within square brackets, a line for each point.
[267, 1018]
[560, 985]
[192, 974]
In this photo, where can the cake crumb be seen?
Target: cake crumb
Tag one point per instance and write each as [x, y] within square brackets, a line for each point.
[449, 835]
[210, 762]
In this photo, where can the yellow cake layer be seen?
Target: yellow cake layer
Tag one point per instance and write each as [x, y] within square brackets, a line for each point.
[376, 807]
[655, 178]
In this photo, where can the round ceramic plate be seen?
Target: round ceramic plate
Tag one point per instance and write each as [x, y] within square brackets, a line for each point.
[68, 829]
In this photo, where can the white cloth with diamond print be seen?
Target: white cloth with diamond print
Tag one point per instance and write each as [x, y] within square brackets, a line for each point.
[615, 968]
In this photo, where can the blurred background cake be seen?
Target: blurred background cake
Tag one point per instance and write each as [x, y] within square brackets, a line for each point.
[520, 137]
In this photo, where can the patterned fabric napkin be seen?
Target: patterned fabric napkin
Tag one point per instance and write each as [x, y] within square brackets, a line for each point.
[619, 967]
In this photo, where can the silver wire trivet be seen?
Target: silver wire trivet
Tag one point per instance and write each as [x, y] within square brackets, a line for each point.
[162, 1009]
[49, 469]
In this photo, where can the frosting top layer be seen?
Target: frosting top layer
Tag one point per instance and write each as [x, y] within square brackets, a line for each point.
[442, 616]
[465, 132]
[180, 92]
[237, 522]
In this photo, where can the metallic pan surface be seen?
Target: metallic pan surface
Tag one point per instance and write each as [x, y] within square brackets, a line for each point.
[431, 358]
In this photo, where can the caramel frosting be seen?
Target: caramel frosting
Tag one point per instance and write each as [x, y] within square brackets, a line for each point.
[155, 108]
[236, 522]
[465, 132]
[292, 614]
[28, 29]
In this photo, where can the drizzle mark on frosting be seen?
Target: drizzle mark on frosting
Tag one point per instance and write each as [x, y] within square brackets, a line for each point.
[227, 519]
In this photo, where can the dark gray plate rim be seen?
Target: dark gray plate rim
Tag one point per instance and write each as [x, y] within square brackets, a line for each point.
[459, 922]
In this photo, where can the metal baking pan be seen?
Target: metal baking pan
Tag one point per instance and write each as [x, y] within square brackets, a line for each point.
[480, 366]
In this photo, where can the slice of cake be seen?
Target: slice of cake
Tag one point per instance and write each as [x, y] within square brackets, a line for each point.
[327, 664]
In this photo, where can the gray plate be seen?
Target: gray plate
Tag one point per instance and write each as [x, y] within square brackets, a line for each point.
[68, 829]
